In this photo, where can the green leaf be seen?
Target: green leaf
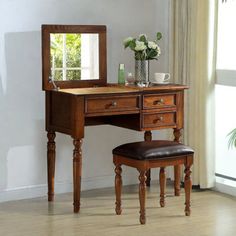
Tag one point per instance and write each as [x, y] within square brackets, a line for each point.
[143, 38]
[151, 54]
[232, 139]
[132, 44]
[126, 44]
[159, 36]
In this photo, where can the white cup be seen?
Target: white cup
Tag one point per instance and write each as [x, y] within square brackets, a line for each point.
[161, 77]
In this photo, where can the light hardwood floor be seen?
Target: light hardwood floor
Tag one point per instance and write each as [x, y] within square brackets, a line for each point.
[213, 214]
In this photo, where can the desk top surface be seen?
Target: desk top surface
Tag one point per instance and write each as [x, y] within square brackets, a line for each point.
[114, 88]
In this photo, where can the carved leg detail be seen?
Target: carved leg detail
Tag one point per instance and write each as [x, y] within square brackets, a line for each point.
[142, 196]
[51, 156]
[162, 177]
[77, 166]
[118, 188]
[148, 137]
[177, 169]
[188, 188]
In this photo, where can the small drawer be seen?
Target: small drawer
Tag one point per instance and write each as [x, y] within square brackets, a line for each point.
[158, 101]
[111, 104]
[159, 119]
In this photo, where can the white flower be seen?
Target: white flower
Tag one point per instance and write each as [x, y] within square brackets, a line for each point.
[127, 40]
[152, 45]
[158, 49]
[140, 46]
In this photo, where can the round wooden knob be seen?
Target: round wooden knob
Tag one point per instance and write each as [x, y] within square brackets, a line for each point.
[114, 103]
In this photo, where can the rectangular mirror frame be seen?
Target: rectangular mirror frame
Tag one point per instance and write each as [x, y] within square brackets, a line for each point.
[46, 65]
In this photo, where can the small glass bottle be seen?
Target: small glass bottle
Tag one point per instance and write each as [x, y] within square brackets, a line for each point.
[130, 78]
[121, 74]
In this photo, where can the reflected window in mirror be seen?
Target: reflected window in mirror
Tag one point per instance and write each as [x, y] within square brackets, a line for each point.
[74, 56]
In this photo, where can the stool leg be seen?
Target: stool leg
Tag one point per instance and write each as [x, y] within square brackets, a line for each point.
[118, 188]
[162, 179]
[177, 170]
[187, 187]
[148, 181]
[142, 195]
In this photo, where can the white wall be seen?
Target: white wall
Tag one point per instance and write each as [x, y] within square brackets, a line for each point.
[22, 136]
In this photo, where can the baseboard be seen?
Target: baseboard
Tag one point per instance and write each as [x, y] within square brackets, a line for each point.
[225, 188]
[34, 191]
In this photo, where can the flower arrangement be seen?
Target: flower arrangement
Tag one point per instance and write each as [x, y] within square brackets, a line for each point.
[143, 48]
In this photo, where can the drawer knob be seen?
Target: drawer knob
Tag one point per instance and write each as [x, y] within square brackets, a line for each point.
[113, 103]
[159, 101]
[158, 119]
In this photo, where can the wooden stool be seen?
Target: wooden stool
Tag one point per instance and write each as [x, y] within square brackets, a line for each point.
[147, 155]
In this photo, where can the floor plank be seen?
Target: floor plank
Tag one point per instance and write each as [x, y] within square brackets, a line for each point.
[213, 214]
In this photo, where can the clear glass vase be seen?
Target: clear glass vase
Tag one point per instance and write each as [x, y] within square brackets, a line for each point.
[142, 72]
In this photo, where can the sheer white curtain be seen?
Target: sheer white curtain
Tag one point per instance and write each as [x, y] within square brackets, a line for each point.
[193, 63]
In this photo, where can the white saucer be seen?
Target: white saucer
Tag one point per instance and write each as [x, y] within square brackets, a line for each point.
[166, 82]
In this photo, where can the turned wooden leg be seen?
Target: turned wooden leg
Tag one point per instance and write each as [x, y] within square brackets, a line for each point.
[177, 169]
[118, 188]
[51, 156]
[148, 137]
[162, 177]
[77, 166]
[187, 186]
[142, 196]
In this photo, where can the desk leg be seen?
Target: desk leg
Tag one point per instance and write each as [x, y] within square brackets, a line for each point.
[77, 166]
[51, 156]
[148, 137]
[177, 169]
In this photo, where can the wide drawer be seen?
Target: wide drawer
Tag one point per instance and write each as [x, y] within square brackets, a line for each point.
[159, 119]
[109, 104]
[158, 101]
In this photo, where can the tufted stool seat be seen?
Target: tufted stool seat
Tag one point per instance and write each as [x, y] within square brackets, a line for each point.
[152, 154]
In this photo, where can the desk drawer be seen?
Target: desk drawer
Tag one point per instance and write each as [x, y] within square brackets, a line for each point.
[112, 104]
[158, 101]
[159, 119]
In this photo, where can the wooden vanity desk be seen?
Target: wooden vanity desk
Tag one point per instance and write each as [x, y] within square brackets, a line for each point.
[76, 105]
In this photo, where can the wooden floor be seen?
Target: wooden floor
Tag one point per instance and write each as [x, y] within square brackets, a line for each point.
[213, 214]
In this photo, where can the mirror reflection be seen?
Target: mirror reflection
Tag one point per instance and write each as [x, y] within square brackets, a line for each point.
[74, 56]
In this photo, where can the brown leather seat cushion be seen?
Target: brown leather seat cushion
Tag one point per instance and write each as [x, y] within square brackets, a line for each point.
[152, 150]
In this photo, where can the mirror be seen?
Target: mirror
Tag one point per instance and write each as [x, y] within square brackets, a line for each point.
[73, 56]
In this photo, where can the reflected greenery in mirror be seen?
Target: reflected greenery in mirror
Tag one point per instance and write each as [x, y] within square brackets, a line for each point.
[74, 56]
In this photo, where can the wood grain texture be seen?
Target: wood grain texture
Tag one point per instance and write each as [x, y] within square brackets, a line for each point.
[148, 138]
[77, 168]
[100, 90]
[177, 169]
[188, 184]
[213, 214]
[158, 101]
[69, 110]
[162, 180]
[51, 158]
[111, 104]
[142, 196]
[118, 188]
[144, 165]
